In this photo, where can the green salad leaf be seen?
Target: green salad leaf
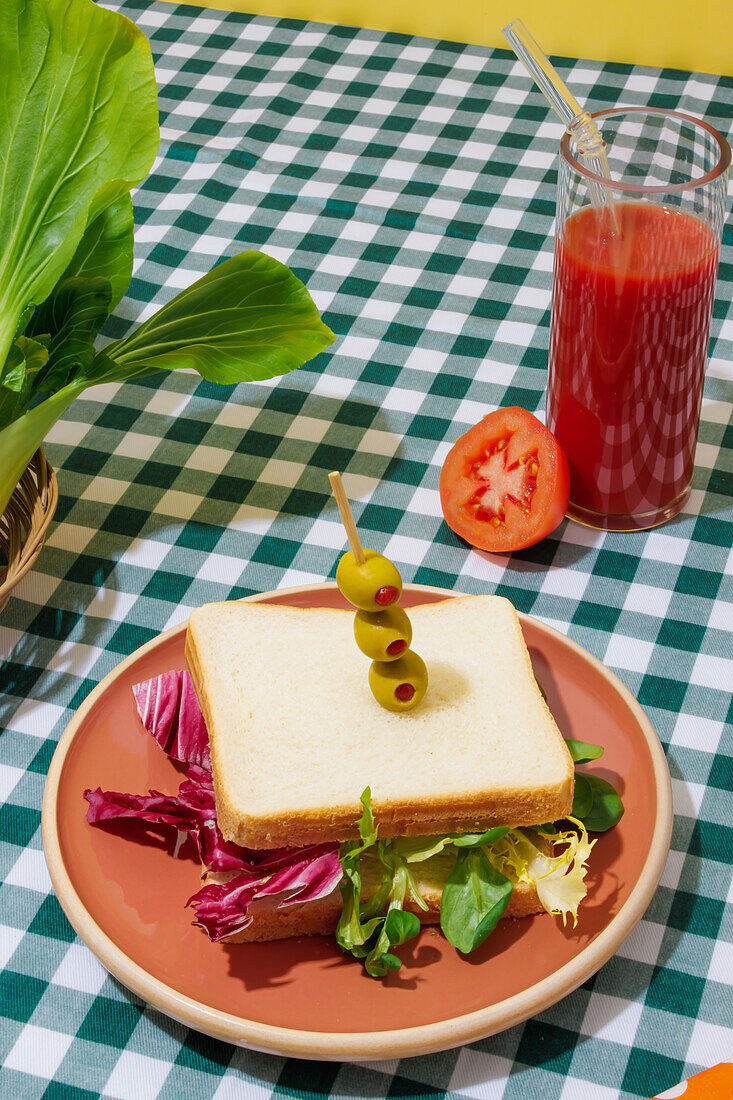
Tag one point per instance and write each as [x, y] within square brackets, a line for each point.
[353, 930]
[551, 858]
[474, 897]
[606, 808]
[595, 801]
[582, 752]
[477, 892]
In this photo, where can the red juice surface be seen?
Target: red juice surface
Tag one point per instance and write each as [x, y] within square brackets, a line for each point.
[628, 345]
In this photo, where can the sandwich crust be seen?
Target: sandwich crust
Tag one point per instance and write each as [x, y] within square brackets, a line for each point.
[296, 735]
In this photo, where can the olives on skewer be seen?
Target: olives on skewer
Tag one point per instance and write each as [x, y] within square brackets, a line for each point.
[398, 677]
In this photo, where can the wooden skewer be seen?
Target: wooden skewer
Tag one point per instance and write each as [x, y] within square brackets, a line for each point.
[347, 517]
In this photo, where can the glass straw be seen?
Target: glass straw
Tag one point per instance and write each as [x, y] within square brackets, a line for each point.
[579, 123]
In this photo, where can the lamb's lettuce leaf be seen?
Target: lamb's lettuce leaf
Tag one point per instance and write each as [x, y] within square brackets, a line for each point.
[606, 808]
[582, 752]
[595, 801]
[474, 897]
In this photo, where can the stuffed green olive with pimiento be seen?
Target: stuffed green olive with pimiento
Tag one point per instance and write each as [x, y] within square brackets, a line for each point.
[383, 635]
[370, 586]
[399, 685]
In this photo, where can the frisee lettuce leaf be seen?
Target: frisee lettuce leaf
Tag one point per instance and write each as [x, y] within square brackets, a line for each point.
[558, 878]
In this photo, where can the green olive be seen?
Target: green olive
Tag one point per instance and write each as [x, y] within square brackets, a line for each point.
[371, 586]
[383, 635]
[399, 685]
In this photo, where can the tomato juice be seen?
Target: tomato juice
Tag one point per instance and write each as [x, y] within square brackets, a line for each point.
[628, 345]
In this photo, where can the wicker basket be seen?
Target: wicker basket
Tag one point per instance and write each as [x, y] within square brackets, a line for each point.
[24, 522]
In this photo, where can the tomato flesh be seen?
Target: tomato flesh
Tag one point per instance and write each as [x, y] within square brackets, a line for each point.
[505, 483]
[499, 481]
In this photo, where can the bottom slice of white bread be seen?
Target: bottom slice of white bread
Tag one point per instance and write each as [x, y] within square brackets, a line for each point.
[321, 917]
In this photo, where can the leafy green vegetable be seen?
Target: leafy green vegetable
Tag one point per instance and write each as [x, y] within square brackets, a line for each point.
[582, 752]
[368, 929]
[582, 797]
[79, 127]
[79, 114]
[353, 932]
[477, 840]
[397, 926]
[474, 897]
[248, 319]
[71, 318]
[606, 809]
[106, 248]
[595, 801]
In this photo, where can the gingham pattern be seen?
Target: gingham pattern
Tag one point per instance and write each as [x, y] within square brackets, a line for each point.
[411, 184]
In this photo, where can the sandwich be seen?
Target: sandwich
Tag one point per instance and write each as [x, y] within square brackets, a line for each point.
[314, 810]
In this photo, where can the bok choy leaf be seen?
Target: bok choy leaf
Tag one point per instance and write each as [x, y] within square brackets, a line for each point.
[79, 127]
[79, 123]
[248, 319]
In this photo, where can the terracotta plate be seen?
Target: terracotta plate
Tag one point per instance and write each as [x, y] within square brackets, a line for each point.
[301, 997]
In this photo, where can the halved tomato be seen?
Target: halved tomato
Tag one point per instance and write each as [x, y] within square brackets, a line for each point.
[505, 483]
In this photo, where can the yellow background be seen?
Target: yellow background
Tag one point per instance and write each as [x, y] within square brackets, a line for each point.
[684, 34]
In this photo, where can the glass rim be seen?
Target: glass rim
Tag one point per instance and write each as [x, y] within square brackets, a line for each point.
[724, 158]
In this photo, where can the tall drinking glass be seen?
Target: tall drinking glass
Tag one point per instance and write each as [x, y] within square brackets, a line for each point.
[631, 305]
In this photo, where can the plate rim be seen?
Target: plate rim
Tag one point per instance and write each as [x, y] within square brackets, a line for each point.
[357, 1046]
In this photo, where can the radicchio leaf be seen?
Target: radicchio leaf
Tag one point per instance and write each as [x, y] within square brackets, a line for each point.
[304, 874]
[191, 811]
[170, 712]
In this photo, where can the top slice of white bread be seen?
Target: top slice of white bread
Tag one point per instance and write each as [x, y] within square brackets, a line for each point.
[296, 734]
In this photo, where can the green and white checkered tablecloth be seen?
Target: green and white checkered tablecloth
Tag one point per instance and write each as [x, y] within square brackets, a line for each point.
[410, 183]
